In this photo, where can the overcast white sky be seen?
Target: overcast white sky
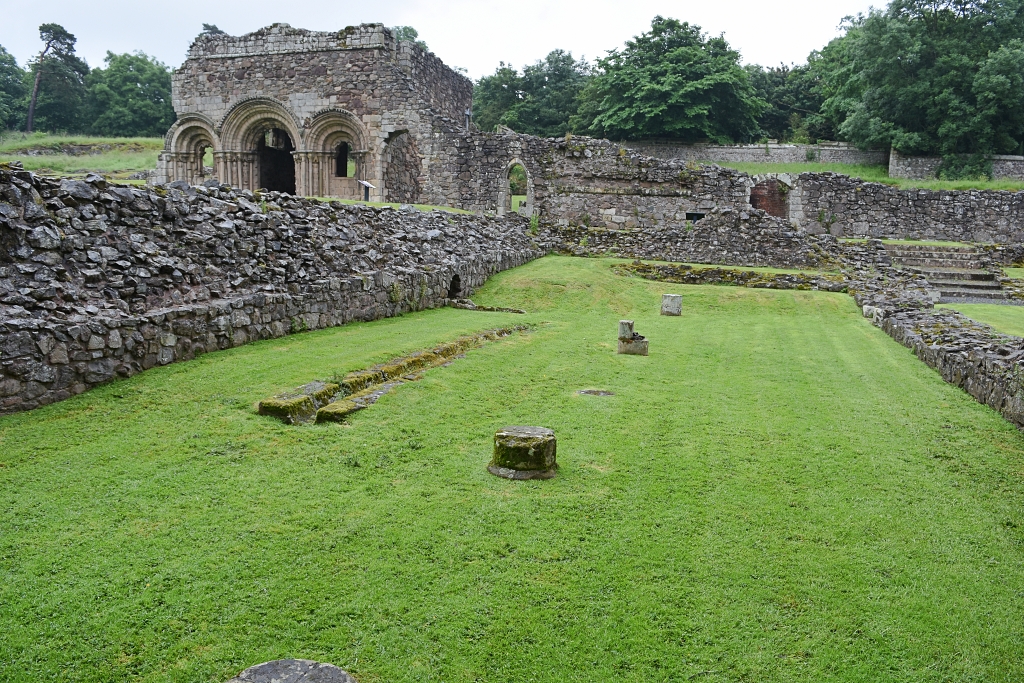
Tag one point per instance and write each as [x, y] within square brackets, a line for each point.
[467, 33]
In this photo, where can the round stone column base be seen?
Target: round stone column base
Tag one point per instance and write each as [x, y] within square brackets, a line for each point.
[524, 453]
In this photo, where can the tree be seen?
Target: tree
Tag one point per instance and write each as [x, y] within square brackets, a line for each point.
[410, 34]
[62, 72]
[539, 102]
[495, 95]
[672, 82]
[130, 97]
[12, 89]
[934, 77]
[212, 30]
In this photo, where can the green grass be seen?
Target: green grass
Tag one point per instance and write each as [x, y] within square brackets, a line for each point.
[778, 493]
[129, 155]
[1016, 273]
[517, 199]
[872, 174]
[1003, 318]
[12, 142]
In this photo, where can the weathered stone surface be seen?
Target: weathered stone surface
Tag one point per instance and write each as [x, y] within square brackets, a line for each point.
[524, 453]
[671, 304]
[631, 343]
[187, 270]
[293, 671]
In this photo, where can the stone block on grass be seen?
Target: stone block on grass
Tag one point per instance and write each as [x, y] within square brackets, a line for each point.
[631, 343]
[524, 453]
[671, 304]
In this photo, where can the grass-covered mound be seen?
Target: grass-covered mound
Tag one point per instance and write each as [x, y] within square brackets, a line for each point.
[779, 492]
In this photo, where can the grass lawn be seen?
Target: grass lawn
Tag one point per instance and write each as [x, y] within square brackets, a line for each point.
[872, 174]
[129, 155]
[1016, 273]
[1003, 318]
[778, 493]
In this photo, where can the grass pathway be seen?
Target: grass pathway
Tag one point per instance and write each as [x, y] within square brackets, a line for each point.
[778, 493]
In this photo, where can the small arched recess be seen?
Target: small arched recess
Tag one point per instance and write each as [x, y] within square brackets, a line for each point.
[505, 189]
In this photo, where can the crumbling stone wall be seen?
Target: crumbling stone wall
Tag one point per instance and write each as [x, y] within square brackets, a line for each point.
[579, 181]
[1004, 167]
[848, 207]
[360, 86]
[99, 281]
[724, 236]
[402, 169]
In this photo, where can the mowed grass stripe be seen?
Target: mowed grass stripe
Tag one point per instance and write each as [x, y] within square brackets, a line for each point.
[779, 492]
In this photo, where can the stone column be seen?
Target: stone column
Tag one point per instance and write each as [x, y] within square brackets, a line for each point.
[524, 453]
[671, 304]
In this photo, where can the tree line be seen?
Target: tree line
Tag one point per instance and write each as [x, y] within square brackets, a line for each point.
[57, 91]
[926, 77]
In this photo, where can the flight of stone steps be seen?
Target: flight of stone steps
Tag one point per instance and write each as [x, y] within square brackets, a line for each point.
[957, 273]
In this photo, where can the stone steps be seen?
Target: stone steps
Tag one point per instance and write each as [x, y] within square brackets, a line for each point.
[955, 272]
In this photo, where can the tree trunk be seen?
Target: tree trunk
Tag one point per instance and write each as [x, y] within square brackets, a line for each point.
[32, 102]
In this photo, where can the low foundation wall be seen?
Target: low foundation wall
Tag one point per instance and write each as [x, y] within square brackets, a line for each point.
[767, 153]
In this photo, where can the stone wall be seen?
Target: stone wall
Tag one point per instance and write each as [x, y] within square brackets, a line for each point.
[724, 236]
[1004, 167]
[767, 153]
[360, 86]
[848, 207]
[578, 181]
[99, 281]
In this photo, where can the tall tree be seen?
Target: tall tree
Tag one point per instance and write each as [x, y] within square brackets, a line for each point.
[672, 82]
[12, 89]
[934, 77]
[410, 34]
[538, 102]
[130, 97]
[59, 67]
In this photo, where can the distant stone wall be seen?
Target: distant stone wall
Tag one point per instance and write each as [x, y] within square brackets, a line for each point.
[100, 281]
[1004, 167]
[768, 153]
[845, 206]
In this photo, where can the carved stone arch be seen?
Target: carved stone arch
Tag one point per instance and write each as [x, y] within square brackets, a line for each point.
[185, 145]
[505, 193]
[241, 126]
[252, 159]
[326, 132]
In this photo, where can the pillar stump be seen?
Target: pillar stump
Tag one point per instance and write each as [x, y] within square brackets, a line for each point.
[630, 342]
[293, 671]
[671, 304]
[523, 453]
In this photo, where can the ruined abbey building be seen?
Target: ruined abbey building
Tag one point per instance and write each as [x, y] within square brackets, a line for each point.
[312, 113]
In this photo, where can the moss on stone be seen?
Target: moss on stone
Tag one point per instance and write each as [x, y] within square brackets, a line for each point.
[337, 411]
[355, 382]
[291, 410]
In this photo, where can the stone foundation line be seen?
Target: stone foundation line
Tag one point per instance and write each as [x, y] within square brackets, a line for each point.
[333, 401]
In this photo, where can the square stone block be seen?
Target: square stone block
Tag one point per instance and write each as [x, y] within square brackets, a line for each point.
[671, 304]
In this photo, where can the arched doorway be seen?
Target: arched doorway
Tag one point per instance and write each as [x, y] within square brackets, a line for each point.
[515, 194]
[277, 166]
[455, 288]
[772, 196]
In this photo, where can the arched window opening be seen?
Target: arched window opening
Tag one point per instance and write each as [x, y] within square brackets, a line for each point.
[517, 187]
[341, 162]
[206, 161]
[277, 167]
[455, 288]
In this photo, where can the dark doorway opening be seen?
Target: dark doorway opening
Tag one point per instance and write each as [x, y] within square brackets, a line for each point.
[277, 167]
[770, 195]
[455, 288]
[341, 161]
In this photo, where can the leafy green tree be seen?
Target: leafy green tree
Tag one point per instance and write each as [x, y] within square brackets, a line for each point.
[130, 97]
[933, 77]
[538, 102]
[410, 34]
[12, 89]
[58, 82]
[794, 96]
[495, 95]
[671, 82]
[212, 30]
